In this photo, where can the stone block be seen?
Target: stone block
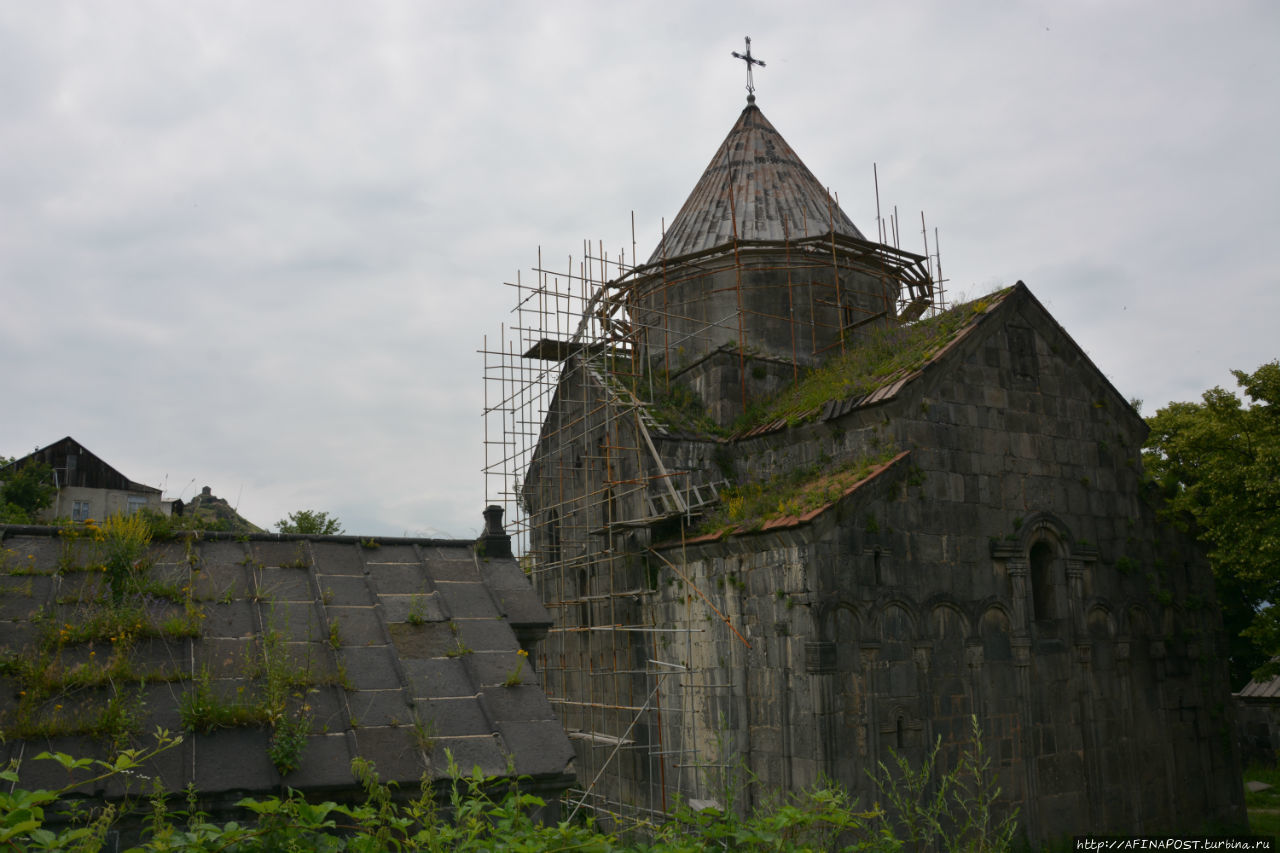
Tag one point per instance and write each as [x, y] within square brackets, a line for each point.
[233, 760]
[284, 585]
[470, 753]
[379, 708]
[417, 607]
[344, 590]
[296, 621]
[377, 560]
[335, 558]
[467, 600]
[280, 553]
[357, 626]
[395, 752]
[458, 717]
[229, 619]
[439, 678]
[218, 582]
[539, 747]
[372, 667]
[217, 555]
[225, 658]
[325, 763]
[398, 578]
[460, 570]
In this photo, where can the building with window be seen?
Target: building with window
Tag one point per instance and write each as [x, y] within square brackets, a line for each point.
[87, 487]
[794, 514]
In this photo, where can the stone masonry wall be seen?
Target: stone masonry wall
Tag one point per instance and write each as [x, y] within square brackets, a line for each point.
[1009, 567]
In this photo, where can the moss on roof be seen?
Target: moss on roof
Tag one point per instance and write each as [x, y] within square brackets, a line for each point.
[890, 354]
[792, 497]
[282, 656]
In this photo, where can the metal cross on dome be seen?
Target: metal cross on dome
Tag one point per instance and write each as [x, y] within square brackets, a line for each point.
[749, 60]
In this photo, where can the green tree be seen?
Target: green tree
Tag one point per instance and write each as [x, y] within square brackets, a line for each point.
[24, 490]
[1218, 465]
[310, 522]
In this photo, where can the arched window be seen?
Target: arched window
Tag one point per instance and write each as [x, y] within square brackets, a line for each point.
[901, 733]
[1043, 587]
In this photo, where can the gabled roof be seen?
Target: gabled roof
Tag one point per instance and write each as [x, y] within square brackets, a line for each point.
[871, 375]
[394, 651]
[877, 372]
[757, 181]
[86, 468]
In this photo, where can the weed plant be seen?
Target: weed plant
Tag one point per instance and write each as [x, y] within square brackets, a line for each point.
[124, 541]
[484, 814]
[748, 506]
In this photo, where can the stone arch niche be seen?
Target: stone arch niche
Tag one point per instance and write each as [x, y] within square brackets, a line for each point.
[836, 663]
[950, 699]
[1101, 629]
[897, 682]
[1047, 570]
[997, 701]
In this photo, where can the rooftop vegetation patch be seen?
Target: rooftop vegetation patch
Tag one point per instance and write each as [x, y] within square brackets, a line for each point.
[78, 673]
[747, 507]
[677, 408]
[889, 353]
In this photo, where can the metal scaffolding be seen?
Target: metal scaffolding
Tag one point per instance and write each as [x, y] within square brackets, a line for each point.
[570, 387]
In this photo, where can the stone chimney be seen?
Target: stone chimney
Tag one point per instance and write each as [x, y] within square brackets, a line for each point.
[495, 542]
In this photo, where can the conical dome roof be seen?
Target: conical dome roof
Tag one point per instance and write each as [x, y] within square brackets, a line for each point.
[758, 180]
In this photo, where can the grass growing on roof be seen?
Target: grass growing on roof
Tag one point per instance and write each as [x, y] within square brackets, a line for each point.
[884, 354]
[676, 407]
[749, 506]
[889, 352]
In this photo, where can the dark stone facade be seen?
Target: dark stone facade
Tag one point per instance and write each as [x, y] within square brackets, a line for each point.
[975, 539]
[1002, 561]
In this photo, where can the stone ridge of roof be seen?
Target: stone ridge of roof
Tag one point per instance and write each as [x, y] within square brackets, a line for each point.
[394, 653]
[754, 188]
[262, 536]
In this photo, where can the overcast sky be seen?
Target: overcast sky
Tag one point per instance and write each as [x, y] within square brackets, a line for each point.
[256, 246]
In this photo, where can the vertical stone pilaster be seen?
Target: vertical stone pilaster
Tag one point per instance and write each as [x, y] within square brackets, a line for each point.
[1075, 596]
[820, 663]
[1019, 570]
[1021, 643]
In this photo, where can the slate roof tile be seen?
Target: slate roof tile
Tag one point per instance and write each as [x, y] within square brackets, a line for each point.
[349, 591]
[398, 578]
[523, 702]
[487, 635]
[483, 752]
[438, 678]
[401, 610]
[538, 746]
[467, 600]
[458, 717]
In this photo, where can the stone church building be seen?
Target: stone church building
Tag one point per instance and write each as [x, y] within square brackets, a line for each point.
[791, 514]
